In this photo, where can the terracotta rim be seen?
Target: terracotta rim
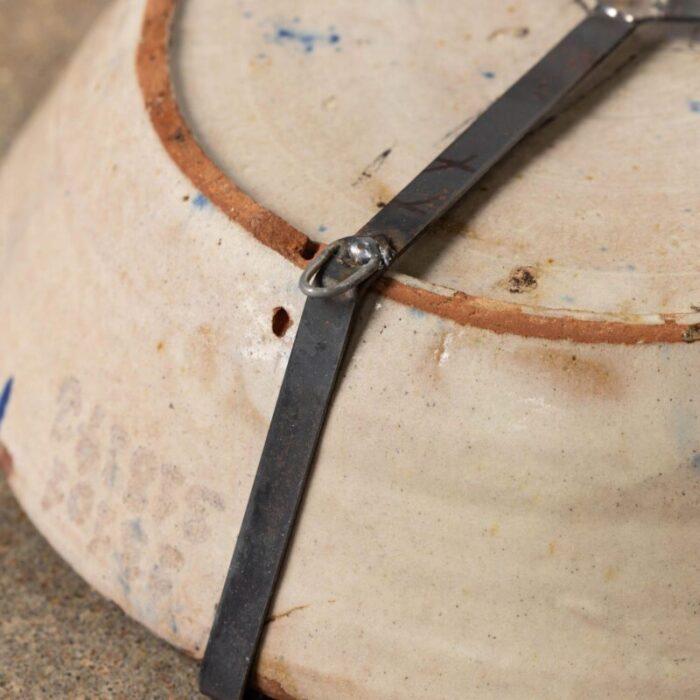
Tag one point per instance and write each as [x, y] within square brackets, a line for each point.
[153, 70]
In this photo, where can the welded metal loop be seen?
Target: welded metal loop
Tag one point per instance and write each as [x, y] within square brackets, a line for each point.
[309, 285]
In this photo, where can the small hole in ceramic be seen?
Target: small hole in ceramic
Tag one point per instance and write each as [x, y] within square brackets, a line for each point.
[281, 321]
[309, 250]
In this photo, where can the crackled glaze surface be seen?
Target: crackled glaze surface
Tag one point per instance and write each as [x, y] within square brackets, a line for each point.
[521, 518]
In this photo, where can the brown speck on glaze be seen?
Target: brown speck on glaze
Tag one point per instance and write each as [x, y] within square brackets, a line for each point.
[6, 463]
[152, 68]
[612, 573]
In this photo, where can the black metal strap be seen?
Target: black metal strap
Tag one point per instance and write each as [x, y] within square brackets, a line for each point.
[323, 333]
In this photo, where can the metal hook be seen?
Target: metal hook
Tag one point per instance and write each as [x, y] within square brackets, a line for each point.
[308, 285]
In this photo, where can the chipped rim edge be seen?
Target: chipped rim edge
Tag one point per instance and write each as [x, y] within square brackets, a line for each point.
[153, 73]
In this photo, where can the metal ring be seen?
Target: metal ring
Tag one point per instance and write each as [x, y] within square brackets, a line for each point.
[311, 289]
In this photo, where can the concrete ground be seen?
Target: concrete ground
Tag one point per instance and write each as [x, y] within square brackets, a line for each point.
[58, 638]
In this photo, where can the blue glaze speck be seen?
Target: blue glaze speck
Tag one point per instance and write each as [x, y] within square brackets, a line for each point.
[694, 106]
[200, 201]
[488, 74]
[307, 41]
[696, 460]
[5, 398]
[322, 228]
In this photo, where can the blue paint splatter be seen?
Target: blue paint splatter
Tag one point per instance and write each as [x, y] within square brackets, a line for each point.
[5, 398]
[694, 106]
[568, 299]
[322, 228]
[488, 74]
[306, 40]
[200, 201]
[696, 460]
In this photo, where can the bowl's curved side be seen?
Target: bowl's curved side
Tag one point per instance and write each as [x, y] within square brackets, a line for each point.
[516, 519]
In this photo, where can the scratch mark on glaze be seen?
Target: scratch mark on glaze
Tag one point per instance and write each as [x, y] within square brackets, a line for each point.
[517, 32]
[287, 613]
[373, 167]
[5, 398]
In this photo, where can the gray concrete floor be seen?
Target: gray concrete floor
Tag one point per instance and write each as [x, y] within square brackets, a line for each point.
[58, 638]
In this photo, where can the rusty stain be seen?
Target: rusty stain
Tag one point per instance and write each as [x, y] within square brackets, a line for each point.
[202, 348]
[273, 678]
[577, 375]
[6, 462]
[152, 67]
[271, 687]
[160, 346]
[381, 193]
